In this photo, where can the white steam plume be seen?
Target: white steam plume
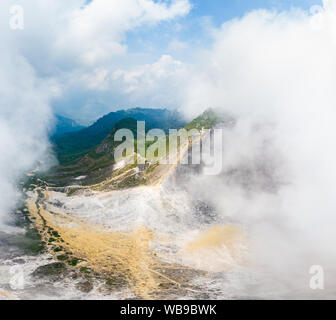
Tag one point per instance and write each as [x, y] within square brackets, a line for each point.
[276, 73]
[24, 120]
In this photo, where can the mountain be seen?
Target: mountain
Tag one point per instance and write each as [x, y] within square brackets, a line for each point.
[98, 164]
[74, 205]
[65, 125]
[209, 119]
[71, 146]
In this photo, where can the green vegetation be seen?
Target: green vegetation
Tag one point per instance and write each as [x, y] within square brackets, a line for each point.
[85, 270]
[71, 192]
[96, 164]
[72, 146]
[207, 120]
[30, 243]
[53, 269]
[55, 234]
[73, 262]
[111, 282]
[131, 181]
[62, 257]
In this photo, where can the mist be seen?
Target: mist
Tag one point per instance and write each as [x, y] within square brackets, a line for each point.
[275, 72]
[25, 118]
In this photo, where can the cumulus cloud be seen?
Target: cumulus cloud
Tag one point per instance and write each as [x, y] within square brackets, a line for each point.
[76, 33]
[96, 32]
[144, 85]
[153, 83]
[77, 45]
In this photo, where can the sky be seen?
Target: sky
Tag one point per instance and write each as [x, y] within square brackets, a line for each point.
[103, 55]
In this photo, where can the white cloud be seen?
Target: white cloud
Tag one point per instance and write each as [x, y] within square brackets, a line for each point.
[148, 75]
[177, 45]
[153, 83]
[96, 80]
[147, 85]
[25, 117]
[74, 33]
[97, 32]
[77, 46]
[277, 70]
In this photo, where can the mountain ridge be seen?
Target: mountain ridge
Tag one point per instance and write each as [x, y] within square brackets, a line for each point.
[64, 125]
[73, 145]
[98, 163]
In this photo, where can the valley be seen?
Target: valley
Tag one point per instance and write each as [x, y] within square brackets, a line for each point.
[138, 230]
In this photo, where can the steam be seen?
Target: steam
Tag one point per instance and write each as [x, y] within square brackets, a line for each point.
[24, 120]
[276, 73]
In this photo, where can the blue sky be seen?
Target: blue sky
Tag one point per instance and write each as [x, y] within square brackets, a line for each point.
[222, 10]
[193, 27]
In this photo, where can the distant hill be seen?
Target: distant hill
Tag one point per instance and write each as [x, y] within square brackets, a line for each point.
[208, 119]
[73, 145]
[65, 125]
[98, 164]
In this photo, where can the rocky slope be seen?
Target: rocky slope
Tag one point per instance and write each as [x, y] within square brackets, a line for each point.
[137, 230]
